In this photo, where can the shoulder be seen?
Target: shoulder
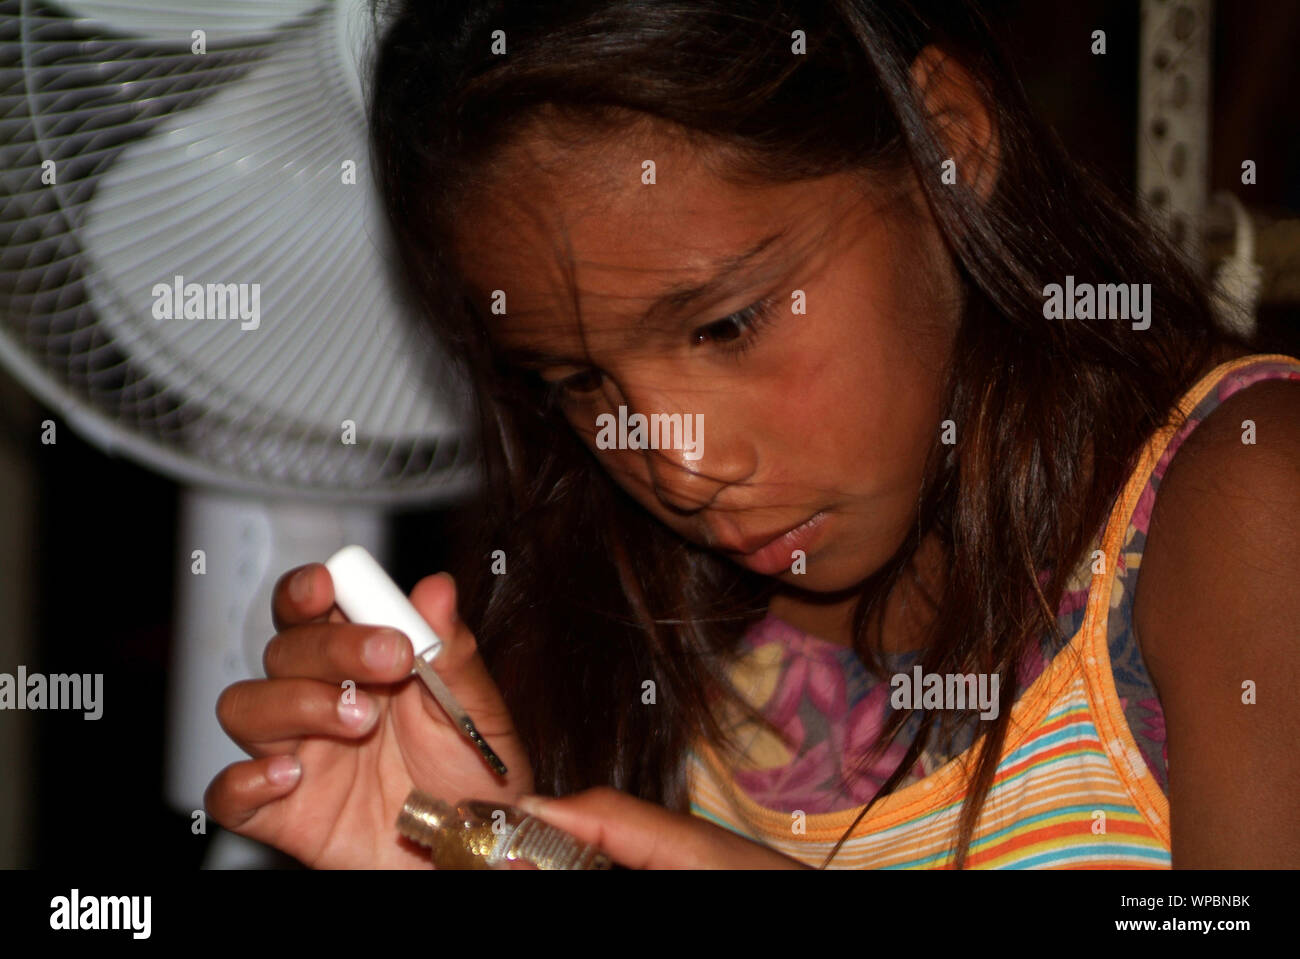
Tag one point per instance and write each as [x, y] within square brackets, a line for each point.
[1233, 488]
[1217, 615]
[1224, 538]
[1250, 438]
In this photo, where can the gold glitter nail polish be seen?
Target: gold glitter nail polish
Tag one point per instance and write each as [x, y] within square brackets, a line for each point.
[479, 834]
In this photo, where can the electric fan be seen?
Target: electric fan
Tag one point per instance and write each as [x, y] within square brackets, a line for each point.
[193, 273]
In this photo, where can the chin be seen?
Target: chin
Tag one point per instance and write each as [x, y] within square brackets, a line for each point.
[823, 581]
[839, 566]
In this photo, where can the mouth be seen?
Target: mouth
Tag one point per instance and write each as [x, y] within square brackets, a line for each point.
[770, 553]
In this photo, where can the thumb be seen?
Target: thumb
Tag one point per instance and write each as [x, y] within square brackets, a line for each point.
[458, 664]
[434, 598]
[633, 832]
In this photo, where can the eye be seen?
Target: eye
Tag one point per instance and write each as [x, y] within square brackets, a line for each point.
[738, 331]
[582, 383]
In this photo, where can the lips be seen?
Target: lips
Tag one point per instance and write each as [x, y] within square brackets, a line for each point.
[749, 545]
[770, 553]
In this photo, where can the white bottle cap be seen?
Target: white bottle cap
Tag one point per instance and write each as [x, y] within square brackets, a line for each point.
[367, 594]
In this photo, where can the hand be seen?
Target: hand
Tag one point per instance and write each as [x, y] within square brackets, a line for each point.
[340, 810]
[642, 835]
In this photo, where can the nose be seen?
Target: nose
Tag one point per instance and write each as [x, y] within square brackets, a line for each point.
[697, 456]
[681, 485]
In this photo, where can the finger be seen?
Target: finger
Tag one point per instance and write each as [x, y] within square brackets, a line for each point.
[243, 788]
[302, 594]
[261, 714]
[337, 651]
[459, 664]
[642, 835]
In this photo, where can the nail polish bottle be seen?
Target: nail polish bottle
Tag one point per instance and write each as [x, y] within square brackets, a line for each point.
[479, 834]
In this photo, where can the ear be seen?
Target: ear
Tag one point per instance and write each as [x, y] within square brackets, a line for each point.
[960, 118]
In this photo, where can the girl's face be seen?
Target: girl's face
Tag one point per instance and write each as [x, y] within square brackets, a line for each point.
[811, 357]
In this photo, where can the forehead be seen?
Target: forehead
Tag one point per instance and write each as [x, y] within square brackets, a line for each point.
[564, 213]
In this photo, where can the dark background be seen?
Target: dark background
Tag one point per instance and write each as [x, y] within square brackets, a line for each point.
[105, 529]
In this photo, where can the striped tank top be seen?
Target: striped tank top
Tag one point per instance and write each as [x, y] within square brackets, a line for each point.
[1083, 775]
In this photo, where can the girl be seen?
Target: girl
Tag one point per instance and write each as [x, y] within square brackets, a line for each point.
[881, 607]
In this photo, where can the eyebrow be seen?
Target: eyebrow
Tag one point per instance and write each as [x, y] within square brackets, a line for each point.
[672, 300]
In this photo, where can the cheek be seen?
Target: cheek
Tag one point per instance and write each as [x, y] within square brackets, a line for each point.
[903, 338]
[857, 394]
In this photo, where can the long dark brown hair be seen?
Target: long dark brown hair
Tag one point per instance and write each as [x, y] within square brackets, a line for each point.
[599, 597]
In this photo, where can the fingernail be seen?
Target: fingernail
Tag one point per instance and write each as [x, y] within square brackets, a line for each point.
[283, 770]
[300, 586]
[531, 804]
[455, 615]
[355, 714]
[382, 649]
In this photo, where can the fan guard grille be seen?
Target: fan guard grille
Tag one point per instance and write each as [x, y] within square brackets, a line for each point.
[77, 94]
